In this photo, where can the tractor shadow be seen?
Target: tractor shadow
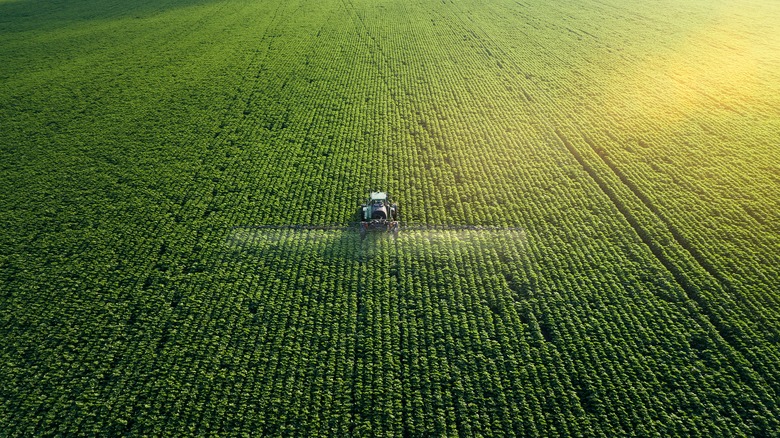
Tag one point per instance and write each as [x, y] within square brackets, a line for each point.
[336, 246]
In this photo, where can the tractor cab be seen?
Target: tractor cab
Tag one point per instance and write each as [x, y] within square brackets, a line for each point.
[378, 210]
[377, 207]
[379, 214]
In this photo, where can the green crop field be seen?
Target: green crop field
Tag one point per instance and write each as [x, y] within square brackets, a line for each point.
[591, 190]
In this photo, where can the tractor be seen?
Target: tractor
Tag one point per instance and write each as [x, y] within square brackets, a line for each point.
[379, 214]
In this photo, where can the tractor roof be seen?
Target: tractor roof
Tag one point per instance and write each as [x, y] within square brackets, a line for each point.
[378, 196]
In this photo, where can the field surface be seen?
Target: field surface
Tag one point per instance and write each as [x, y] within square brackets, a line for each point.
[626, 155]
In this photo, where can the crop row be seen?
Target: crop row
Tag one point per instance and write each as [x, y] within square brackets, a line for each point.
[140, 297]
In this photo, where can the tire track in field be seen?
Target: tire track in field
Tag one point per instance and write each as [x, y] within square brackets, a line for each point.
[630, 217]
[563, 153]
[695, 254]
[548, 126]
[681, 277]
[685, 270]
[747, 371]
[402, 94]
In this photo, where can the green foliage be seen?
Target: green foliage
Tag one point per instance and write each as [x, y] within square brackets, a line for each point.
[630, 149]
